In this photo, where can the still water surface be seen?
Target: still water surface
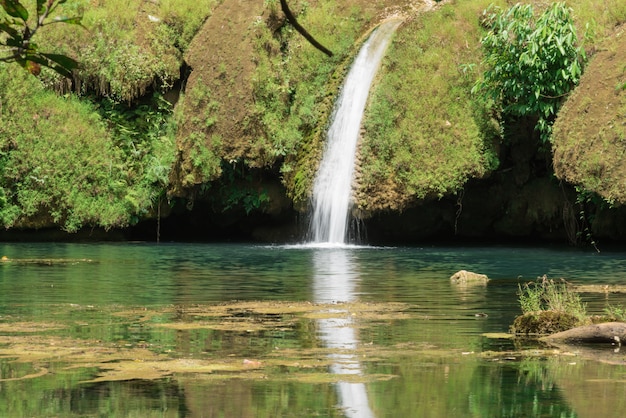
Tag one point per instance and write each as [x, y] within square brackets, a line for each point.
[428, 362]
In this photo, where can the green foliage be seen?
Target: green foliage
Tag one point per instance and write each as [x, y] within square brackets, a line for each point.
[598, 19]
[615, 313]
[550, 295]
[425, 136]
[106, 168]
[104, 160]
[205, 158]
[19, 29]
[236, 189]
[548, 306]
[129, 47]
[531, 64]
[200, 98]
[293, 82]
[182, 19]
[145, 136]
[120, 144]
[530, 297]
[590, 155]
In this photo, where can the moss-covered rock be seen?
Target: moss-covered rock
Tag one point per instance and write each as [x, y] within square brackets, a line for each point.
[424, 135]
[544, 322]
[590, 131]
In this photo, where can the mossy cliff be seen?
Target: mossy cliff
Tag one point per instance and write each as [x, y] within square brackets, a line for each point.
[211, 116]
[590, 134]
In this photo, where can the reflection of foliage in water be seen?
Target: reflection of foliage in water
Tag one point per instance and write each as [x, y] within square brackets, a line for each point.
[524, 389]
[427, 350]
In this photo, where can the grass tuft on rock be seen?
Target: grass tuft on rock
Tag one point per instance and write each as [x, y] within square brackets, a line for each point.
[548, 306]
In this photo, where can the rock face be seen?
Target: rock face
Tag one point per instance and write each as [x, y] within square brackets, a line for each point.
[218, 93]
[520, 200]
[468, 277]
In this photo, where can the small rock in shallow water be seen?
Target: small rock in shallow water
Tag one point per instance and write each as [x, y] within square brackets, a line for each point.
[464, 276]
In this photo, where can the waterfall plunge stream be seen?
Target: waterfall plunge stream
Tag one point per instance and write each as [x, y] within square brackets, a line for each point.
[332, 189]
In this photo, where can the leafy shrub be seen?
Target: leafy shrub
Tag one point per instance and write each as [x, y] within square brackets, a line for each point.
[550, 295]
[530, 63]
[63, 163]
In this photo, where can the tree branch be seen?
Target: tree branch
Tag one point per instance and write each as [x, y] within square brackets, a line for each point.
[292, 19]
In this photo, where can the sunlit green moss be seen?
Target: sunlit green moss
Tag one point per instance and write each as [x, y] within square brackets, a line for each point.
[126, 48]
[62, 163]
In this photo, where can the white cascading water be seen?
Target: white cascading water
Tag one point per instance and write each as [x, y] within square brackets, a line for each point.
[332, 189]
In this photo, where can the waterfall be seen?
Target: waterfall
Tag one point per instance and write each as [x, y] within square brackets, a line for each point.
[332, 189]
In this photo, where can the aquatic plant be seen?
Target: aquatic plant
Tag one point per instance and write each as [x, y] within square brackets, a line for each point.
[548, 306]
[615, 313]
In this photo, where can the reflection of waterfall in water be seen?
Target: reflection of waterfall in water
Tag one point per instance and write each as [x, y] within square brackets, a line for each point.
[335, 281]
[335, 274]
[332, 195]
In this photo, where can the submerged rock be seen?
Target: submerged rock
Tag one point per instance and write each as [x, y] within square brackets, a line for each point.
[468, 277]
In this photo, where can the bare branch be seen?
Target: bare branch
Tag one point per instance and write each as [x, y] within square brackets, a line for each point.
[292, 19]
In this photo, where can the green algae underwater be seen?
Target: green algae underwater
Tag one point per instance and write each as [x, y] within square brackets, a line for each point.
[197, 330]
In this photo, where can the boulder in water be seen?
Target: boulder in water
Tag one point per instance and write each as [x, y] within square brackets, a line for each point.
[468, 277]
[607, 332]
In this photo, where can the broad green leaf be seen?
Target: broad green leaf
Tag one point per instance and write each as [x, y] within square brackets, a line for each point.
[63, 60]
[9, 29]
[45, 61]
[15, 9]
[76, 20]
[531, 62]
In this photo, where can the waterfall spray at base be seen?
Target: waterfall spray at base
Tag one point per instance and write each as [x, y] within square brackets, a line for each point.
[332, 189]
